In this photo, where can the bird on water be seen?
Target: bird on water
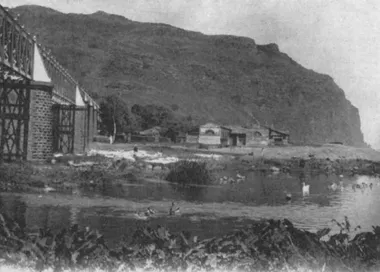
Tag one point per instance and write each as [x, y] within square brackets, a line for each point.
[288, 196]
[305, 189]
[173, 210]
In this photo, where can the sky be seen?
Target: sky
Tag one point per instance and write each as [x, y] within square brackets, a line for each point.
[340, 38]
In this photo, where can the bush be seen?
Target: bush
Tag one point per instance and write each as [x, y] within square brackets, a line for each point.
[190, 172]
[164, 140]
[141, 138]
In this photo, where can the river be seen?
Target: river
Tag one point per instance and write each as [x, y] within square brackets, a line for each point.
[205, 211]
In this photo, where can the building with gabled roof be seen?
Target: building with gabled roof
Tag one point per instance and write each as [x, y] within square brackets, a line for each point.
[211, 134]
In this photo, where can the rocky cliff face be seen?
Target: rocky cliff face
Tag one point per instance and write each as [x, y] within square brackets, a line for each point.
[220, 78]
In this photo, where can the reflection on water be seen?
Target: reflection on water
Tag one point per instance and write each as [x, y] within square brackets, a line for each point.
[205, 211]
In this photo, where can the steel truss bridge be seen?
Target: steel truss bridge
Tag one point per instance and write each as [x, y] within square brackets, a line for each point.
[23, 62]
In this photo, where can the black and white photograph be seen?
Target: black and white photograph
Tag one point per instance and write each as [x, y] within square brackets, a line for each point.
[189, 135]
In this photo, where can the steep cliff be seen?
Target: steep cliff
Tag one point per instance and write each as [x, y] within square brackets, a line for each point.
[220, 78]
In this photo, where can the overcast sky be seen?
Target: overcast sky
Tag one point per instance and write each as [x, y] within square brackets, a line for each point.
[336, 37]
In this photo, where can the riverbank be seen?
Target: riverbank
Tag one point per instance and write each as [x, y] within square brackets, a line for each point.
[266, 245]
[326, 151]
[329, 158]
[115, 164]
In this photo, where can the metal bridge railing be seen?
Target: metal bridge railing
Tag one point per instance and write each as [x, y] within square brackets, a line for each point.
[17, 54]
[64, 84]
[16, 45]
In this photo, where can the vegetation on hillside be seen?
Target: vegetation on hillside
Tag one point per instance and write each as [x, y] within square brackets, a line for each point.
[219, 78]
[118, 117]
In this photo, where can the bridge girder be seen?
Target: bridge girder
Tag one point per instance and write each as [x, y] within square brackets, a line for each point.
[16, 46]
[18, 50]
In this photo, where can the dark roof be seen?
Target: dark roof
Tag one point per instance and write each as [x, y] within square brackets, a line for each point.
[153, 130]
[243, 130]
[238, 130]
[278, 131]
[214, 125]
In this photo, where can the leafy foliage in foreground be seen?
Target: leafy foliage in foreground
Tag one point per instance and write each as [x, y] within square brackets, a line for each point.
[266, 245]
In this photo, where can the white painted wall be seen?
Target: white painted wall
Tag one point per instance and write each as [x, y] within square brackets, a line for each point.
[209, 140]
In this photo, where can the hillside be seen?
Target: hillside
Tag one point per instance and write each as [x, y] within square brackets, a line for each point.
[219, 78]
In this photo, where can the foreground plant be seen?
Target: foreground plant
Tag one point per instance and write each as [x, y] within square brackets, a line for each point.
[271, 245]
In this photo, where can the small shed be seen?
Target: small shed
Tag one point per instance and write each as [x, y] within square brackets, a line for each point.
[192, 136]
[277, 137]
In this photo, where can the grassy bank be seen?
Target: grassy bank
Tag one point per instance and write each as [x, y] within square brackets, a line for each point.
[327, 151]
[97, 171]
[62, 176]
[267, 245]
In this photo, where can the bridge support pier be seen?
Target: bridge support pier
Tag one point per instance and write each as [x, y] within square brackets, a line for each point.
[81, 129]
[40, 132]
[90, 132]
[95, 124]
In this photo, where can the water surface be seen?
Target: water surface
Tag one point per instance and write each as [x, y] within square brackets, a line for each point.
[205, 211]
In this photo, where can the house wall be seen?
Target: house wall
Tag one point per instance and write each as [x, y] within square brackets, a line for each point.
[253, 139]
[40, 135]
[220, 135]
[207, 138]
[216, 130]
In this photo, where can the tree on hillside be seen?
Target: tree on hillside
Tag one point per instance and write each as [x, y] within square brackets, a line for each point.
[115, 115]
[152, 115]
